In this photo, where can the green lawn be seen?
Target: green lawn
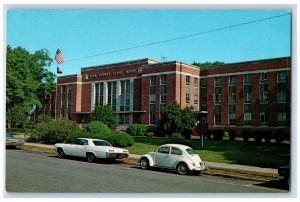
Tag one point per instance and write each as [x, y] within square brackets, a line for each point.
[237, 152]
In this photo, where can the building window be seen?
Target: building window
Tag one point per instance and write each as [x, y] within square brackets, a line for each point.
[231, 100]
[62, 101]
[218, 100]
[281, 77]
[69, 101]
[247, 99]
[152, 113]
[152, 99]
[217, 114]
[112, 94]
[125, 95]
[124, 119]
[188, 80]
[232, 80]
[203, 95]
[187, 96]
[163, 92]
[232, 115]
[247, 79]
[264, 114]
[281, 93]
[196, 90]
[99, 94]
[247, 114]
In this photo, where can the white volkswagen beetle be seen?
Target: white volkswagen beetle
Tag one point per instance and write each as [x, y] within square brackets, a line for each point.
[174, 156]
[91, 149]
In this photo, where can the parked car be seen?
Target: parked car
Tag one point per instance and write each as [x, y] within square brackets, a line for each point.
[91, 149]
[11, 141]
[174, 157]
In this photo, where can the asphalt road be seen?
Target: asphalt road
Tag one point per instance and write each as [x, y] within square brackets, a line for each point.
[45, 173]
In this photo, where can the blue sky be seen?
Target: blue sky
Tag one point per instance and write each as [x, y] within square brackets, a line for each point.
[81, 33]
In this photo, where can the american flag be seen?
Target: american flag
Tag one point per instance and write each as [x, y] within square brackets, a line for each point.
[58, 57]
[59, 71]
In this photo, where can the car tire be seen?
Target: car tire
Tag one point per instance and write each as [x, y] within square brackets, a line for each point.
[60, 153]
[144, 163]
[182, 169]
[91, 157]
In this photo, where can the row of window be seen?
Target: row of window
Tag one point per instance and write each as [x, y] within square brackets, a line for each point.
[247, 97]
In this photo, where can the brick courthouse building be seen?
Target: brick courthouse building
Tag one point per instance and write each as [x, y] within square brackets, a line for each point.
[252, 94]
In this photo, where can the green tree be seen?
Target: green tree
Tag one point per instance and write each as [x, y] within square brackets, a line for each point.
[176, 120]
[104, 114]
[28, 82]
[207, 64]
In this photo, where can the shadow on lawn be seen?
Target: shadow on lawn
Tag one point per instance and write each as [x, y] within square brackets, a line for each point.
[252, 153]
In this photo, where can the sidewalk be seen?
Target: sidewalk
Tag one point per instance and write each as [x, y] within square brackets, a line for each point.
[209, 164]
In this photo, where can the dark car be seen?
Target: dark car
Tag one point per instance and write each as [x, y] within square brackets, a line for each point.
[11, 141]
[284, 174]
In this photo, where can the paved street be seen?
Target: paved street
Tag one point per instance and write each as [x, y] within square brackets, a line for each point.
[45, 173]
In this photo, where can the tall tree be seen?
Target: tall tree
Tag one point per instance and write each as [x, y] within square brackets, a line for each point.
[175, 119]
[28, 82]
[104, 114]
[207, 64]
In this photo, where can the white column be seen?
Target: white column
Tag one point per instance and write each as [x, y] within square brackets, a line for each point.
[92, 96]
[105, 93]
[131, 94]
[118, 93]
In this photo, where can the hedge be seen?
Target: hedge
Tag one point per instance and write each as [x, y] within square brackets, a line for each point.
[97, 127]
[136, 130]
[116, 139]
[54, 131]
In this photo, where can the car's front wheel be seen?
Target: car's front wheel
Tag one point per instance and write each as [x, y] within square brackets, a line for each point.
[60, 153]
[182, 169]
[144, 163]
[91, 157]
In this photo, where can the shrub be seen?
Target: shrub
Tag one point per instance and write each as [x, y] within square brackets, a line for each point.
[136, 130]
[279, 136]
[186, 133]
[78, 134]
[267, 135]
[120, 139]
[116, 139]
[104, 114]
[178, 136]
[218, 134]
[43, 118]
[257, 135]
[232, 135]
[54, 131]
[246, 135]
[97, 127]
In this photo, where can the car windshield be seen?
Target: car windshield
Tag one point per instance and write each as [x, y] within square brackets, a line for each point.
[9, 135]
[101, 143]
[191, 151]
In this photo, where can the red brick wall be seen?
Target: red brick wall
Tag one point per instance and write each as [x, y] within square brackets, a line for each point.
[145, 119]
[255, 100]
[224, 101]
[272, 107]
[86, 97]
[137, 96]
[171, 88]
